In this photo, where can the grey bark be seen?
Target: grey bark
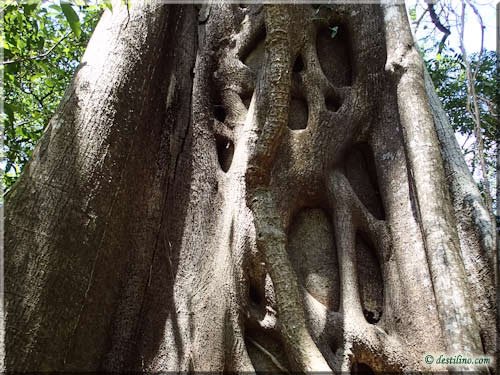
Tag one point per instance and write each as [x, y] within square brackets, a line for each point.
[235, 190]
[83, 222]
[433, 207]
[475, 229]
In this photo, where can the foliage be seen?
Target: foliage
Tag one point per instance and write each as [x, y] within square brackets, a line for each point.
[449, 77]
[448, 73]
[464, 81]
[42, 44]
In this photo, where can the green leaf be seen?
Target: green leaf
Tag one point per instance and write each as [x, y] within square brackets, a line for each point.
[107, 4]
[413, 13]
[12, 68]
[72, 18]
[30, 31]
[36, 76]
[20, 43]
[40, 42]
[9, 111]
[55, 8]
[29, 7]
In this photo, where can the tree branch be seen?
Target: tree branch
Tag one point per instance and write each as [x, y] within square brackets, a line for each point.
[481, 24]
[417, 22]
[472, 104]
[40, 56]
[438, 24]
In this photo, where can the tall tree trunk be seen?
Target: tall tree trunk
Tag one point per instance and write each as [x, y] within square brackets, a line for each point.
[236, 188]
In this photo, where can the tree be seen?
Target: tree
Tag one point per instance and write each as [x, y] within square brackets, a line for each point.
[247, 187]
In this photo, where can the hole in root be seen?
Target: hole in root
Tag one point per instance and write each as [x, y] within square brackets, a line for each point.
[370, 316]
[246, 99]
[298, 66]
[225, 151]
[370, 281]
[361, 368]
[332, 103]
[361, 172]
[334, 51]
[219, 112]
[256, 296]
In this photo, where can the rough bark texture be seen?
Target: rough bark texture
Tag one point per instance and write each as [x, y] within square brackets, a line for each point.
[83, 223]
[231, 189]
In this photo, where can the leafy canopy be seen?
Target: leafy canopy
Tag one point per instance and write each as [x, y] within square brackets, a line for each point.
[42, 43]
[449, 76]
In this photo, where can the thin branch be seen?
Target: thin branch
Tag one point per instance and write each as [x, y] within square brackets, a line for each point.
[472, 105]
[467, 151]
[489, 103]
[465, 142]
[417, 22]
[481, 50]
[29, 91]
[439, 25]
[41, 56]
[22, 123]
[481, 23]
[47, 95]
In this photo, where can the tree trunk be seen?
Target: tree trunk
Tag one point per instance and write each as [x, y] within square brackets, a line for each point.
[236, 188]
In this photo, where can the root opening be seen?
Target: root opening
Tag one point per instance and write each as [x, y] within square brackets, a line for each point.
[361, 172]
[220, 112]
[361, 368]
[225, 152]
[298, 66]
[334, 55]
[255, 295]
[371, 288]
[246, 99]
[332, 103]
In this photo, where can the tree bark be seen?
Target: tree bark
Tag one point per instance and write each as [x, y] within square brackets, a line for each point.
[232, 188]
[83, 222]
